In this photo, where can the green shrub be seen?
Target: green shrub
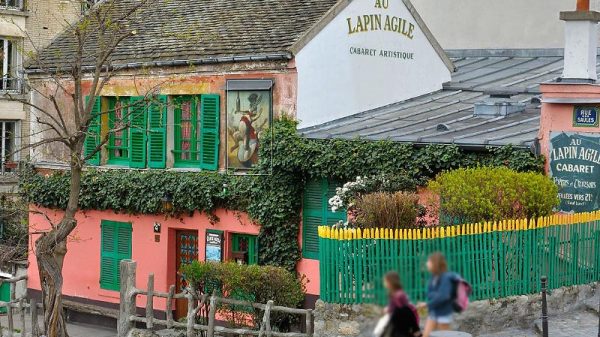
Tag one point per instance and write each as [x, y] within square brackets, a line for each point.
[487, 194]
[253, 283]
[387, 210]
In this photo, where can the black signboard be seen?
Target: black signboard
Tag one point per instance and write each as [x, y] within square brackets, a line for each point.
[575, 168]
[585, 116]
[214, 246]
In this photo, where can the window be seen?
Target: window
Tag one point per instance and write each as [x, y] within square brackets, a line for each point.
[245, 248]
[137, 131]
[196, 131]
[8, 146]
[12, 4]
[187, 131]
[316, 212]
[115, 246]
[118, 140]
[10, 66]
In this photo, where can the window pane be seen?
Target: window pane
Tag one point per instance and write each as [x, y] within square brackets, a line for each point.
[186, 130]
[7, 144]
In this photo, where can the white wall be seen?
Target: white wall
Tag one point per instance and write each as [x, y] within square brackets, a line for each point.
[333, 83]
[497, 24]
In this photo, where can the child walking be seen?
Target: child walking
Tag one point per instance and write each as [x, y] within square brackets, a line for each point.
[439, 295]
[403, 317]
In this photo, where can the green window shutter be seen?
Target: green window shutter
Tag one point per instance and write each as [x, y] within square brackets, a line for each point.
[137, 132]
[312, 218]
[209, 132]
[115, 246]
[157, 136]
[92, 139]
[316, 212]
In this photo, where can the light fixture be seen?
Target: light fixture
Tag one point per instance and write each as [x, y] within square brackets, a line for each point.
[167, 202]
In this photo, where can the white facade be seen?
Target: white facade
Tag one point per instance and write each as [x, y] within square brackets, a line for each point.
[366, 57]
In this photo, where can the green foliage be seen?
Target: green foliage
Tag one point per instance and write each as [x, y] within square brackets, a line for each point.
[486, 193]
[387, 210]
[13, 221]
[273, 195]
[252, 283]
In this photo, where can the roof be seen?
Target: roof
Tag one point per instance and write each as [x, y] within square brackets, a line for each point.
[447, 116]
[199, 31]
[342, 4]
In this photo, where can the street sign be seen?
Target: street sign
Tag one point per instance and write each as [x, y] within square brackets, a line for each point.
[585, 116]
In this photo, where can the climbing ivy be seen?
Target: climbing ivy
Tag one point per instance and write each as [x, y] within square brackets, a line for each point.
[272, 195]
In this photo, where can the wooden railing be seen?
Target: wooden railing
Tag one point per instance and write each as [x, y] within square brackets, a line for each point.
[128, 317]
[16, 309]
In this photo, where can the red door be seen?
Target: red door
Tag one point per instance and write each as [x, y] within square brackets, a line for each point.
[187, 251]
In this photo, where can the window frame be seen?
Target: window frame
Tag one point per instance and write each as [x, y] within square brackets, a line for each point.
[11, 64]
[195, 146]
[3, 147]
[110, 147]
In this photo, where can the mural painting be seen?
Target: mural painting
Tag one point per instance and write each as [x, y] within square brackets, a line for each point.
[248, 119]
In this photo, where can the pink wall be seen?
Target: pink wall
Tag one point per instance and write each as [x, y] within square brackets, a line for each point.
[559, 117]
[82, 263]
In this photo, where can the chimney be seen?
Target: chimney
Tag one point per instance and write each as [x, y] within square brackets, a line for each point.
[581, 43]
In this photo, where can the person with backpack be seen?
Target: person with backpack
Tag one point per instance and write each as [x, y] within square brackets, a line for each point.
[401, 318]
[440, 297]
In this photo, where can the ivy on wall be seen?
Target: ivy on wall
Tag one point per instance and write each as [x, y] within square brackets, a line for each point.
[272, 198]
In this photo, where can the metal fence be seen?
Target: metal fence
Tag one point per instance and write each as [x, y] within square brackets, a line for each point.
[499, 259]
[196, 303]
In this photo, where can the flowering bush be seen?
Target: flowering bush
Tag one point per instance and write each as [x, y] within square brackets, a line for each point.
[352, 196]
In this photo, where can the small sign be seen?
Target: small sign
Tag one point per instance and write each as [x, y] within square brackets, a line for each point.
[157, 227]
[586, 116]
[214, 246]
[575, 168]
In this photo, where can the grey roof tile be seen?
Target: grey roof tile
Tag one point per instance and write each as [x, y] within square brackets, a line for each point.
[447, 116]
[184, 30]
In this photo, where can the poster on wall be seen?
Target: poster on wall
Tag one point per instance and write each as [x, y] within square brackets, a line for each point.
[248, 119]
[575, 168]
[214, 246]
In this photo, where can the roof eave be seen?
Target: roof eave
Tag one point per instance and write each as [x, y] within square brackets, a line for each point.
[176, 63]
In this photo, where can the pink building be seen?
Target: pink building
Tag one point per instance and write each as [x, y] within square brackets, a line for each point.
[342, 77]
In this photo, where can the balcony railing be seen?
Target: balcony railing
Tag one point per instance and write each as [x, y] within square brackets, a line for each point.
[12, 4]
[12, 85]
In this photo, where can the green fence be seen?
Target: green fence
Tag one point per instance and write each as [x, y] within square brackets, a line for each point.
[499, 259]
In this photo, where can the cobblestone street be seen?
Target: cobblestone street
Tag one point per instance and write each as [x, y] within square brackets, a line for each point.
[579, 324]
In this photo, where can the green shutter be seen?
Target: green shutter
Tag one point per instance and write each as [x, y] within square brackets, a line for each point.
[92, 139]
[209, 132]
[115, 246]
[157, 137]
[317, 212]
[137, 132]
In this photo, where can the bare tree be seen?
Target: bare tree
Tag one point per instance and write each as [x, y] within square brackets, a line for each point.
[64, 115]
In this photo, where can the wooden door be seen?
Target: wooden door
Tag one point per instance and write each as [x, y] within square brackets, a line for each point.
[187, 252]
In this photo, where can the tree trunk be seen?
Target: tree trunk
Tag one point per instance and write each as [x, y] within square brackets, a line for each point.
[50, 252]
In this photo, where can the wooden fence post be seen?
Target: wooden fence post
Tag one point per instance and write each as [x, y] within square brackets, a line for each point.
[266, 321]
[127, 305]
[150, 303]
[35, 328]
[212, 312]
[309, 323]
[191, 314]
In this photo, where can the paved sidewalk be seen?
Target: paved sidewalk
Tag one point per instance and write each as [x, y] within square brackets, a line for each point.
[74, 329]
[579, 324]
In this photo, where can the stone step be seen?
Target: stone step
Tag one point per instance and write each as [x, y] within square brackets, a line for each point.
[577, 324]
[593, 304]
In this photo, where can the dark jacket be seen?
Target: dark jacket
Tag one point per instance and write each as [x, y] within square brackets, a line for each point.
[403, 323]
[439, 294]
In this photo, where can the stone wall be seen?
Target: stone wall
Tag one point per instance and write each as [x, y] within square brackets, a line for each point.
[335, 320]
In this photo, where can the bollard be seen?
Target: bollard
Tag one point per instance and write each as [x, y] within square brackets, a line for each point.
[544, 307]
